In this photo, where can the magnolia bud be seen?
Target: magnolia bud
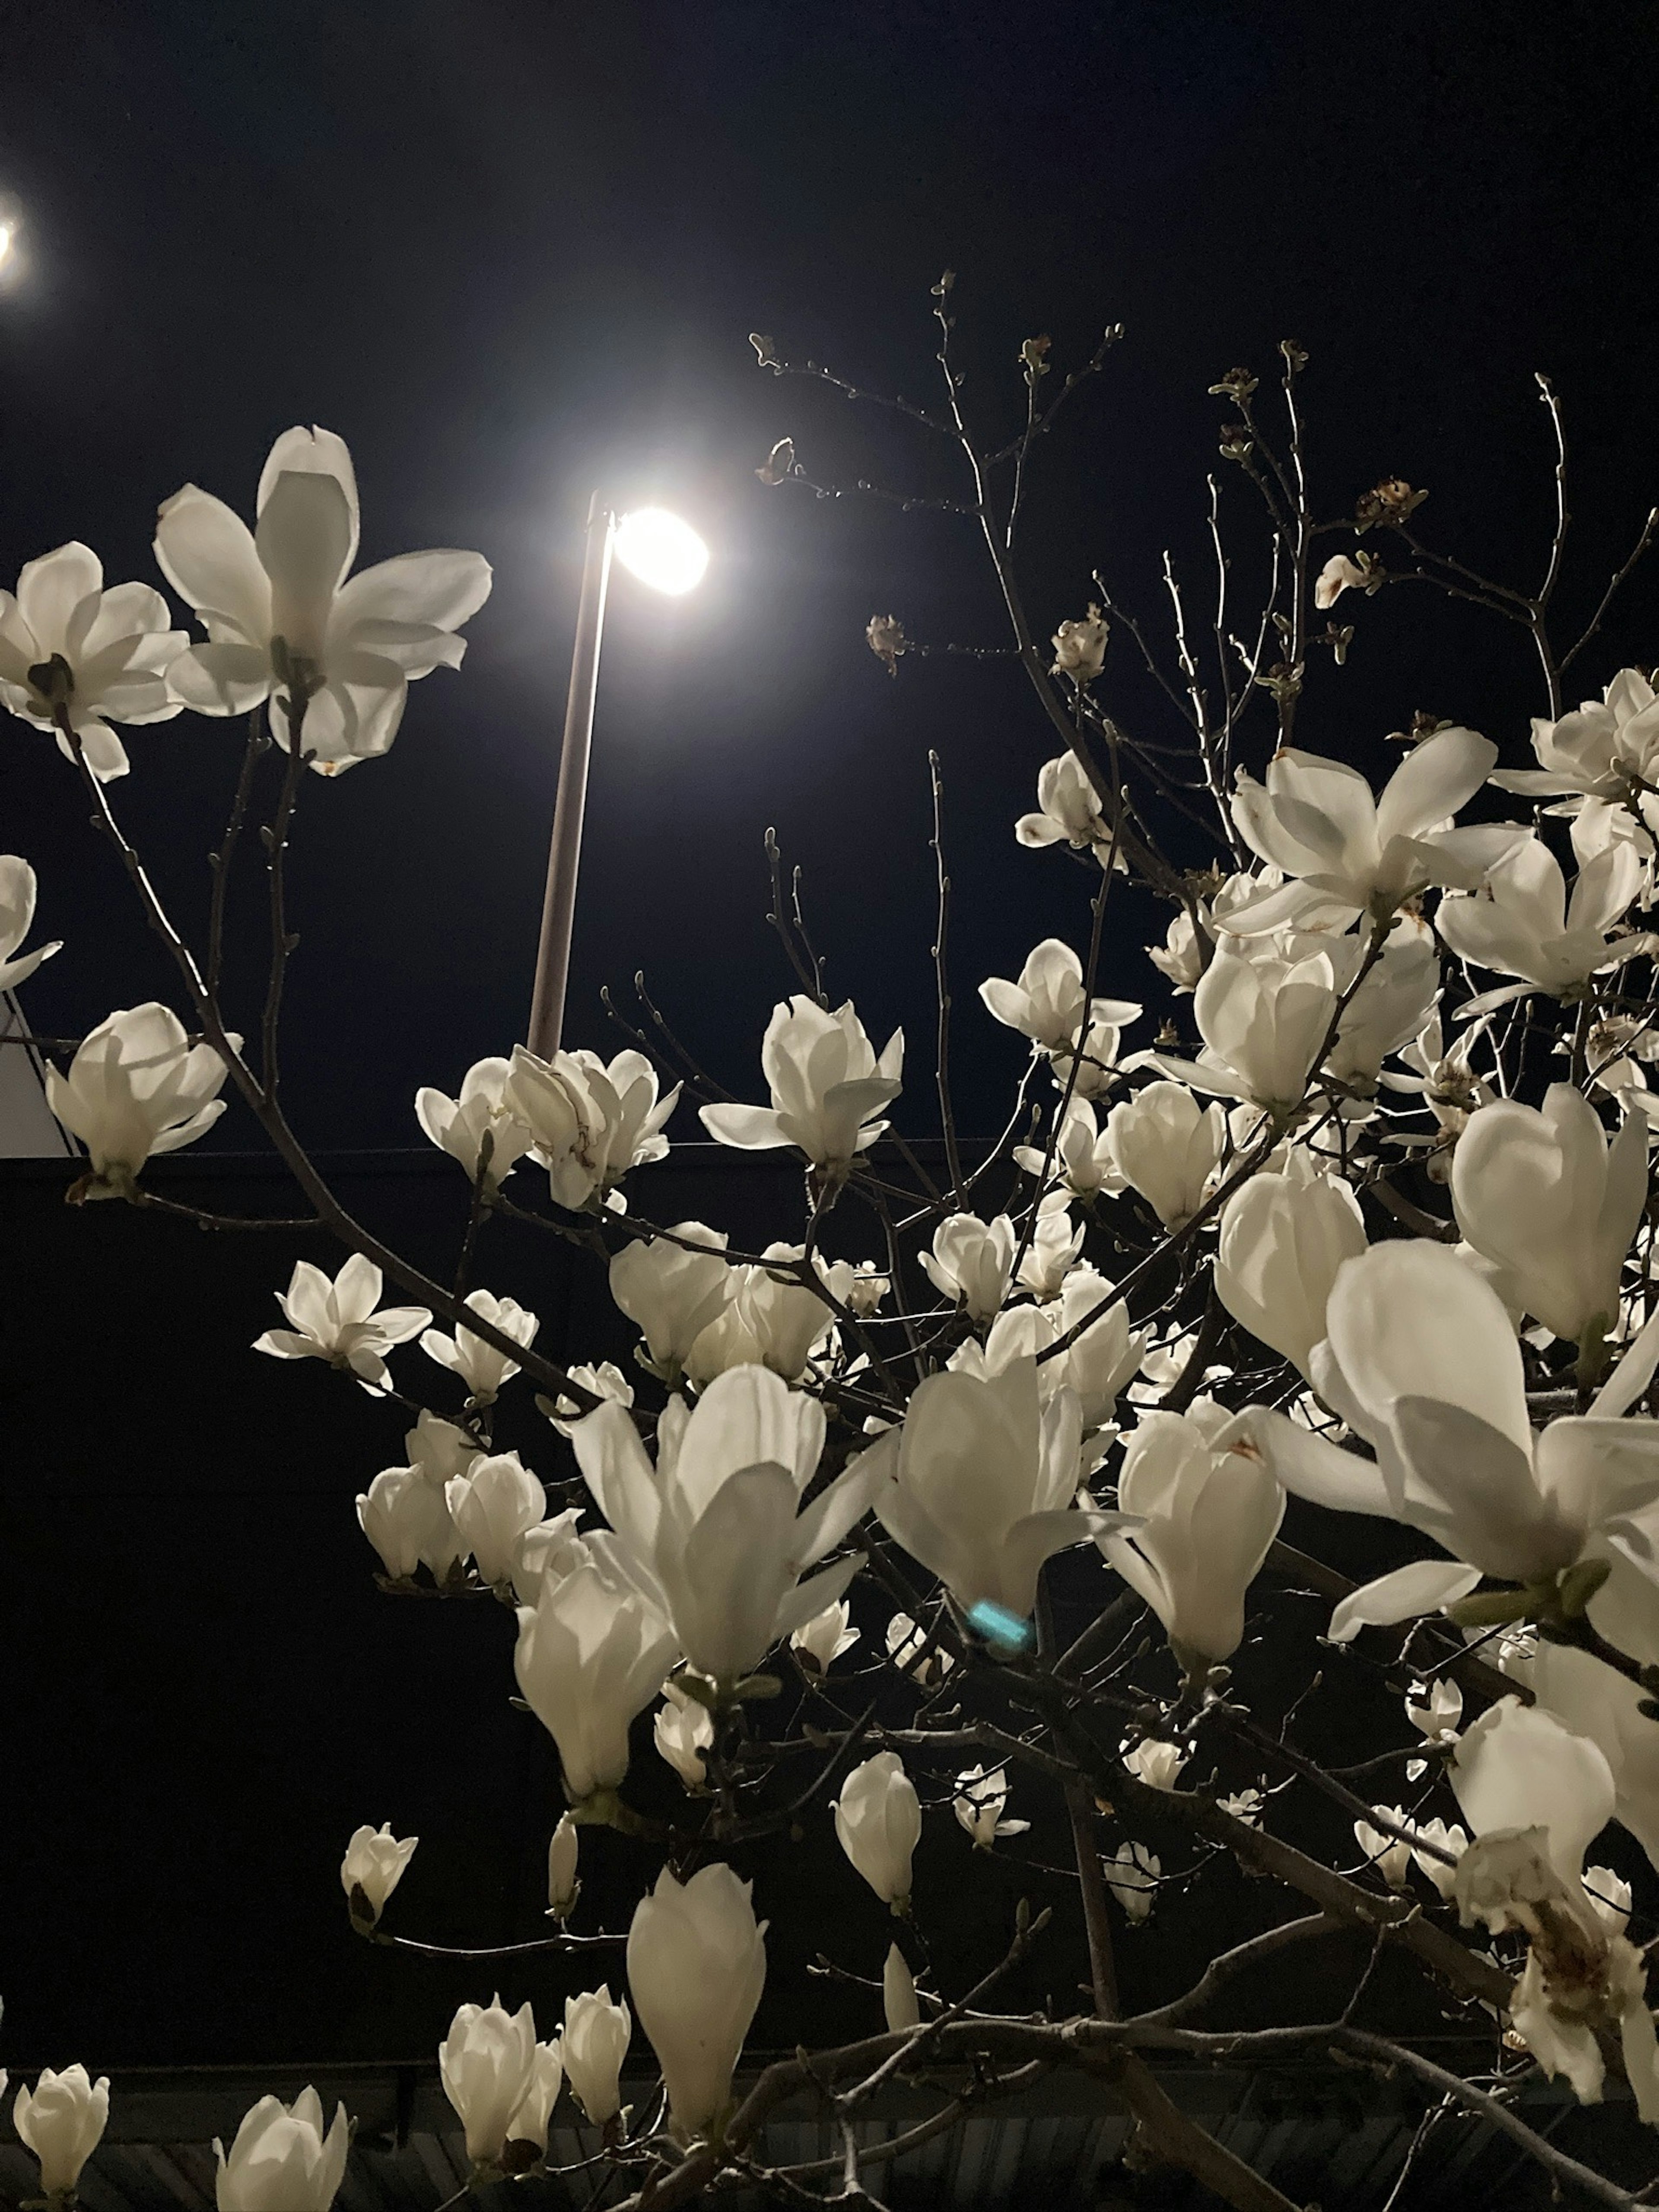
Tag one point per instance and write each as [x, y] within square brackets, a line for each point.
[898, 1993]
[878, 1822]
[374, 1866]
[563, 1885]
[61, 2122]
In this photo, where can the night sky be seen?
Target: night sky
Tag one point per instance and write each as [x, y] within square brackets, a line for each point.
[512, 250]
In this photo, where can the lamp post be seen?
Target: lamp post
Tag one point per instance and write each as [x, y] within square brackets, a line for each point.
[668, 554]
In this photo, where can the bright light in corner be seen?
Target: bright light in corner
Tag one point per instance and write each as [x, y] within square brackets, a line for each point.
[8, 233]
[661, 550]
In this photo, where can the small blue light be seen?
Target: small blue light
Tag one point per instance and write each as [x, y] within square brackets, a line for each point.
[999, 1627]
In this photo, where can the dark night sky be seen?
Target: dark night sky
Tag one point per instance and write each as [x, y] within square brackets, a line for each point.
[511, 250]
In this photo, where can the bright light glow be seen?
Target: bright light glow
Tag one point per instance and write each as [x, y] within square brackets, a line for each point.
[7, 232]
[661, 550]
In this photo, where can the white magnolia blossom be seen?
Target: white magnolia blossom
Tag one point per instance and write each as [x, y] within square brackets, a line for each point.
[1246, 1805]
[136, 1085]
[1421, 1362]
[1451, 1840]
[827, 1085]
[1080, 649]
[1553, 1206]
[282, 618]
[1283, 1237]
[1435, 1711]
[1610, 1897]
[486, 2064]
[868, 1288]
[1156, 1763]
[492, 1505]
[439, 1448]
[62, 2119]
[605, 1381]
[1131, 1874]
[771, 1318]
[821, 1641]
[551, 1548]
[1053, 1248]
[1389, 1006]
[68, 644]
[713, 1535]
[979, 1484]
[589, 1123]
[1317, 820]
[281, 2160]
[899, 2005]
[1082, 1157]
[972, 1261]
[696, 1966]
[405, 1517]
[1050, 1005]
[1595, 1700]
[1102, 1363]
[480, 1366]
[17, 894]
[1165, 1146]
[911, 1651]
[1341, 572]
[563, 1885]
[1264, 1021]
[672, 1294]
[1390, 1854]
[591, 1654]
[1606, 749]
[460, 1126]
[1445, 1079]
[529, 2123]
[597, 2034]
[878, 1825]
[1208, 1509]
[683, 1731]
[337, 1322]
[1529, 928]
[1068, 809]
[979, 1804]
[374, 1866]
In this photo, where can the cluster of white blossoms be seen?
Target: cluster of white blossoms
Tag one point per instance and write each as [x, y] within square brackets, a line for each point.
[1369, 1255]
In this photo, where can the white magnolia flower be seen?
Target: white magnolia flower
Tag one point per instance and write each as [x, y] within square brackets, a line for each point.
[529, 2124]
[405, 1516]
[492, 1505]
[696, 1966]
[1155, 1763]
[1607, 749]
[972, 1261]
[979, 1804]
[17, 891]
[979, 1484]
[1165, 1146]
[1208, 1509]
[1595, 1700]
[1068, 809]
[1610, 1897]
[1422, 1363]
[136, 1085]
[671, 1293]
[439, 1448]
[899, 2005]
[551, 1547]
[1283, 1238]
[460, 1126]
[911, 1651]
[821, 1641]
[827, 1085]
[65, 642]
[597, 2034]
[563, 1850]
[480, 1366]
[1551, 1205]
[1388, 1853]
[1390, 1006]
[591, 1654]
[1052, 1250]
[282, 2160]
[878, 1825]
[1442, 1872]
[1316, 819]
[1529, 928]
[487, 2065]
[715, 1533]
[281, 619]
[683, 1731]
[590, 1123]
[1105, 1359]
[1080, 649]
[374, 1866]
[62, 2120]
[1245, 1805]
[1435, 1711]
[337, 1321]
[605, 1381]
[1264, 1021]
[771, 1318]
[1082, 1156]
[1340, 574]
[1131, 1874]
[868, 1288]
[1048, 1004]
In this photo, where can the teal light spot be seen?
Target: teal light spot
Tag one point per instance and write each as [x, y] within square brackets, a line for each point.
[999, 1627]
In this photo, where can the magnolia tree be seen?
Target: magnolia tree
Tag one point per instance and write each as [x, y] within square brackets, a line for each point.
[961, 1502]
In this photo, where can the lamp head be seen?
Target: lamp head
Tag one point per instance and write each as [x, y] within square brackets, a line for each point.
[661, 550]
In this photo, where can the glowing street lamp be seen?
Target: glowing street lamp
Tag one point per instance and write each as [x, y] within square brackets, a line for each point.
[668, 555]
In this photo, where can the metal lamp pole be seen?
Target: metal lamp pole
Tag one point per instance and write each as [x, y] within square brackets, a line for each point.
[564, 855]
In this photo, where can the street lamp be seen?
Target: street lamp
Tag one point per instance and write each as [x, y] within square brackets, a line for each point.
[668, 554]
